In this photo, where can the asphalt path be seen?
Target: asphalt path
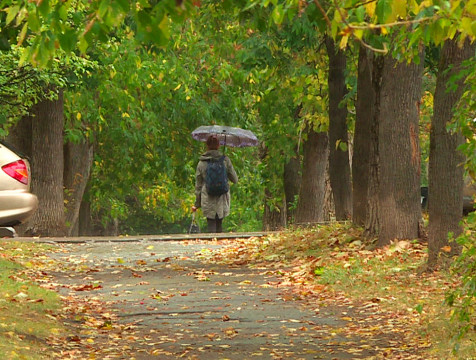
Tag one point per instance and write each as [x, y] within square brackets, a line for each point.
[175, 305]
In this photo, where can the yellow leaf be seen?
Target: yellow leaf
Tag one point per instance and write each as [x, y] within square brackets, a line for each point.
[78, 116]
[343, 41]
[370, 8]
[120, 261]
[149, 86]
[178, 87]
[400, 8]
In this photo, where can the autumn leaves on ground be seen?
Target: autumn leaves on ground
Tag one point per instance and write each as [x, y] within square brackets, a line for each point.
[387, 298]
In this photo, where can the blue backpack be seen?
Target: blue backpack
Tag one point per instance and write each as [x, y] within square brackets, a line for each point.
[216, 179]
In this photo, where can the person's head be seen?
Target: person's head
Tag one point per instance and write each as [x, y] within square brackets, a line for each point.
[213, 143]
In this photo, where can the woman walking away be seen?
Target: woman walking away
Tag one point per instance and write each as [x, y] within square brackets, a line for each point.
[212, 192]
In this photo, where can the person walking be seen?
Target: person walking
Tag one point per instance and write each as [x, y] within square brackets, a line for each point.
[214, 207]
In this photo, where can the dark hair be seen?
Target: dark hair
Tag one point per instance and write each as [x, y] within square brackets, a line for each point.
[213, 143]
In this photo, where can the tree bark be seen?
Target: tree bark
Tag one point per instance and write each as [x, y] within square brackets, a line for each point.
[362, 137]
[399, 150]
[339, 165]
[78, 159]
[372, 211]
[19, 136]
[292, 184]
[310, 208]
[47, 165]
[445, 180]
[274, 217]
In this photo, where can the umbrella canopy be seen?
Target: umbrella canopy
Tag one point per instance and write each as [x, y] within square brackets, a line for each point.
[227, 135]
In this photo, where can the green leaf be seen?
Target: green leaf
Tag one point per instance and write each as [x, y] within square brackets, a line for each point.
[34, 22]
[22, 34]
[12, 13]
[278, 14]
[103, 8]
[124, 5]
[342, 146]
[318, 271]
[384, 11]
[83, 45]
[44, 7]
[68, 40]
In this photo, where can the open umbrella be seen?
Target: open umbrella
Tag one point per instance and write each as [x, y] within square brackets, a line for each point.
[227, 135]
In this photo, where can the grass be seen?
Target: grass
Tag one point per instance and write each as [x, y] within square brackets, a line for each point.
[26, 310]
[337, 260]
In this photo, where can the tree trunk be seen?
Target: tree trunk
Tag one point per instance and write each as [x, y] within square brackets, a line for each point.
[292, 183]
[47, 165]
[78, 159]
[372, 211]
[310, 208]
[85, 226]
[339, 166]
[445, 180]
[399, 150]
[362, 137]
[19, 136]
[274, 217]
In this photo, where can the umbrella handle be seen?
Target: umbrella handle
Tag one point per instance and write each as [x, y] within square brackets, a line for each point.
[224, 146]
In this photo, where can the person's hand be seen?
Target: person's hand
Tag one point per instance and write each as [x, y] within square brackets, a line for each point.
[194, 208]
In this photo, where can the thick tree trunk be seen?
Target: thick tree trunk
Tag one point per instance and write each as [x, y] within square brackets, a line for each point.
[78, 159]
[292, 184]
[445, 190]
[399, 151]
[339, 165]
[47, 165]
[372, 224]
[19, 136]
[362, 137]
[310, 208]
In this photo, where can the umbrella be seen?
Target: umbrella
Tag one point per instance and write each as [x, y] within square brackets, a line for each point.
[227, 135]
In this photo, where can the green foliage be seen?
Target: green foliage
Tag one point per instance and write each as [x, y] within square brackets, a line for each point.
[463, 298]
[49, 27]
[22, 86]
[141, 105]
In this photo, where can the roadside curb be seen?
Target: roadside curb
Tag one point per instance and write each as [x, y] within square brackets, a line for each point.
[138, 238]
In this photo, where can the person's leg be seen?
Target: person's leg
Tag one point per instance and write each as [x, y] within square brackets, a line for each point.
[211, 225]
[218, 222]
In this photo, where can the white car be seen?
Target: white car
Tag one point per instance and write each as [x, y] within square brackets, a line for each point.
[17, 203]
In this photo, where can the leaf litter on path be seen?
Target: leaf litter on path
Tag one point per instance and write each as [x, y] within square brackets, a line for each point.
[192, 303]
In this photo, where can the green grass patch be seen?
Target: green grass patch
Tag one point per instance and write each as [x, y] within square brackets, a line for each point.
[26, 309]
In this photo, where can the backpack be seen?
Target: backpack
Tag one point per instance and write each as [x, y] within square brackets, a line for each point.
[216, 178]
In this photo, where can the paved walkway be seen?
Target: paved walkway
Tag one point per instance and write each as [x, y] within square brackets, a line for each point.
[168, 304]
